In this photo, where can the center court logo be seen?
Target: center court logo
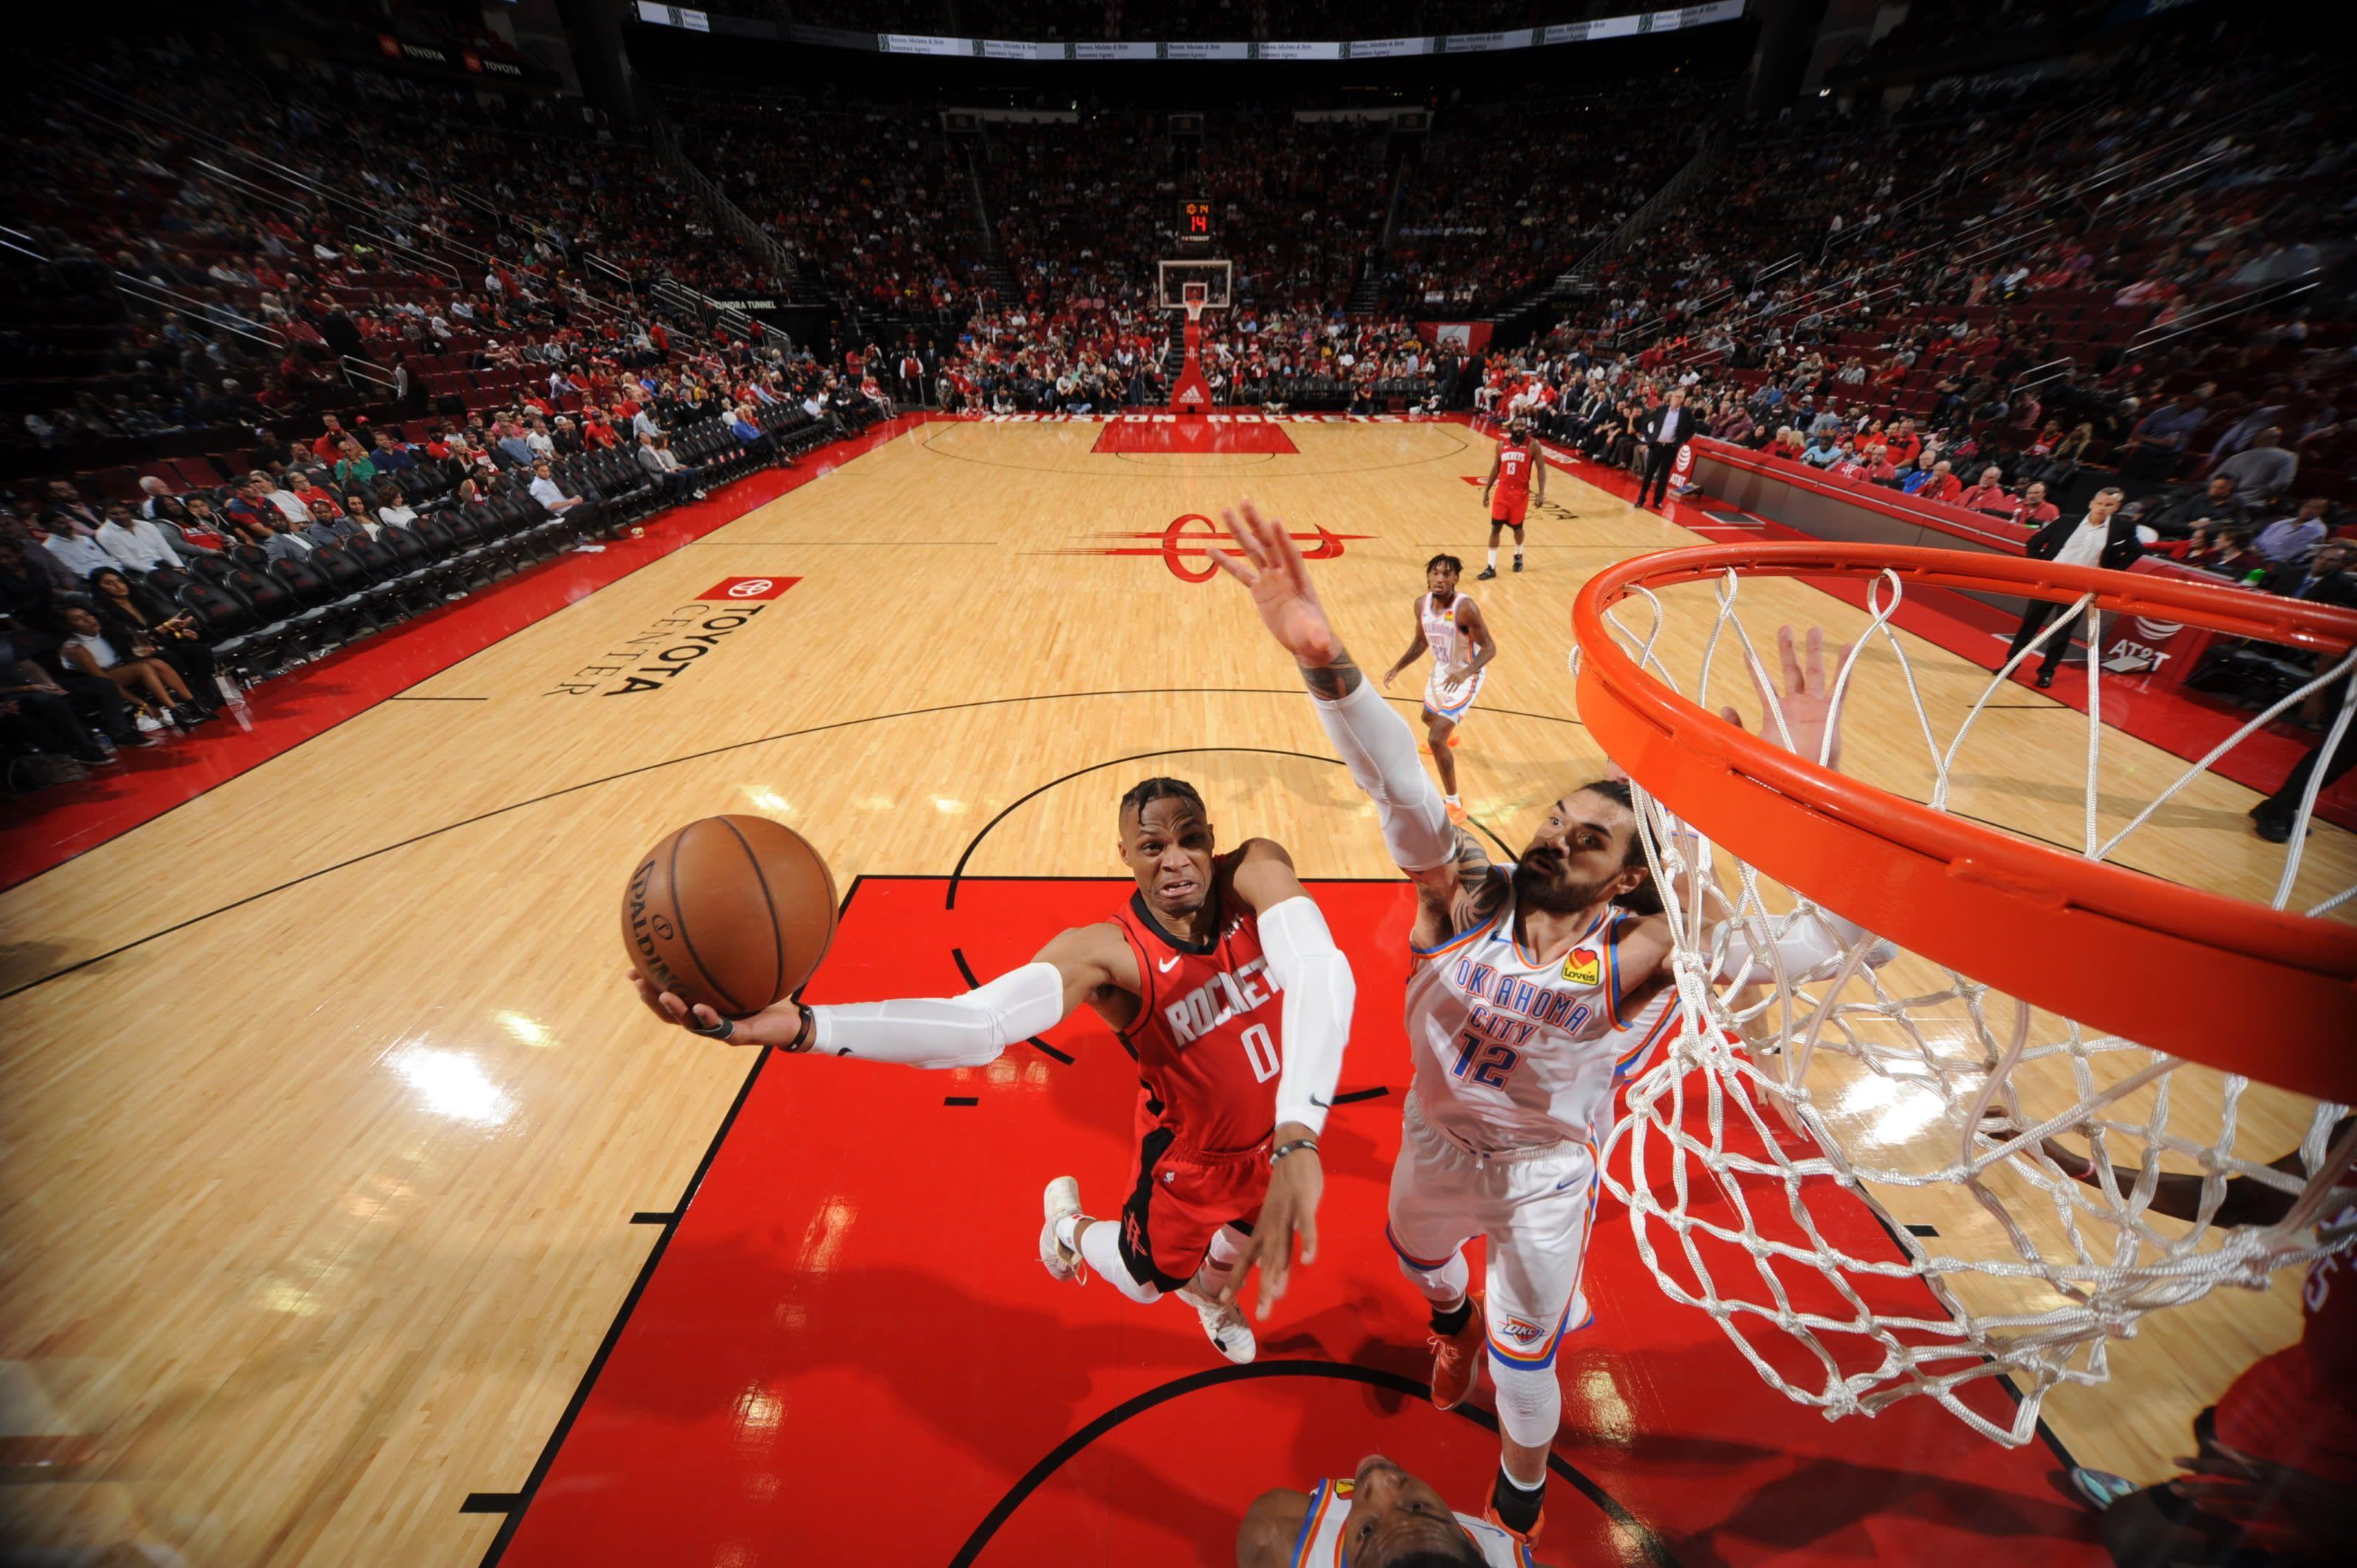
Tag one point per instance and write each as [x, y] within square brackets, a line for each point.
[1186, 545]
[671, 647]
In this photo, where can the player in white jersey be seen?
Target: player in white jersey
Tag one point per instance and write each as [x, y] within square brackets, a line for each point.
[1380, 1517]
[1449, 625]
[1540, 985]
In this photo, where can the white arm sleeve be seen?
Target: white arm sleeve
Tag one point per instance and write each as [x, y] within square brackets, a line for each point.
[1811, 947]
[1380, 750]
[962, 1031]
[1318, 993]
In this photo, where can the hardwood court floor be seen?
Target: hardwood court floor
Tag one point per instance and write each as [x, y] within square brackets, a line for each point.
[328, 1117]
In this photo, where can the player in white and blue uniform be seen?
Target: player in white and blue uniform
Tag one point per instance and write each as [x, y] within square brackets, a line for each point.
[1539, 986]
[1449, 625]
[1379, 1517]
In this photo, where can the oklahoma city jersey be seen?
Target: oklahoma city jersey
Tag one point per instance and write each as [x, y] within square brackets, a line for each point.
[1330, 1511]
[1441, 636]
[1515, 1054]
[1208, 1034]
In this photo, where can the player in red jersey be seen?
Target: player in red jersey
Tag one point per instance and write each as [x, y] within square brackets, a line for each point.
[1234, 1083]
[2275, 1475]
[1518, 475]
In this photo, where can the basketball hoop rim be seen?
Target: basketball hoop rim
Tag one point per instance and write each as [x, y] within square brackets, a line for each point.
[2272, 994]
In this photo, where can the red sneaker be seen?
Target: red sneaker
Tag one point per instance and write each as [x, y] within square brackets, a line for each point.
[1457, 1358]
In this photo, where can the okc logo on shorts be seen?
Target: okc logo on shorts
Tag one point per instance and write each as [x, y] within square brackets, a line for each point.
[1584, 967]
[1521, 1333]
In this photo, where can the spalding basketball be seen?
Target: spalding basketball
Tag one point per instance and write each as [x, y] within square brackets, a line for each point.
[733, 911]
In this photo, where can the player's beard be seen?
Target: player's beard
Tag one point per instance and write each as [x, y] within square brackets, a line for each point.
[1541, 885]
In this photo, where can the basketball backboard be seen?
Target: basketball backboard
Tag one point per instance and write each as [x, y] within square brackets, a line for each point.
[1173, 276]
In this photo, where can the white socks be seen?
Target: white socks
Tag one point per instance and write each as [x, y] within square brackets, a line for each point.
[1494, 558]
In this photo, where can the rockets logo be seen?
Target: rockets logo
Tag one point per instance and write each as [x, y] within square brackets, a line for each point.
[1584, 967]
[1186, 547]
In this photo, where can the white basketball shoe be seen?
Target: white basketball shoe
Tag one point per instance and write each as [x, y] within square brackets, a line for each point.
[1062, 1198]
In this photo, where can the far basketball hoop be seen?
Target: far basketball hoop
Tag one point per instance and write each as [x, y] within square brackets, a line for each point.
[1193, 286]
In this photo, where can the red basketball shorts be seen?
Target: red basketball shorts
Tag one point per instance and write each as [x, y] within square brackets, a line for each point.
[1179, 1200]
[1508, 507]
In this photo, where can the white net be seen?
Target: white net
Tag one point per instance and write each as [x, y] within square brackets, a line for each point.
[1776, 1157]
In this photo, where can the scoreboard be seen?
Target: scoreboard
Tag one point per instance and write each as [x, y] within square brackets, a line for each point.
[1194, 223]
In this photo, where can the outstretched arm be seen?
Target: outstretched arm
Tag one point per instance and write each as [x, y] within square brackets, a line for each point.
[1075, 966]
[1456, 884]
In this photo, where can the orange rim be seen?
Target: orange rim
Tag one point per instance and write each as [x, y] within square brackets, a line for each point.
[2265, 993]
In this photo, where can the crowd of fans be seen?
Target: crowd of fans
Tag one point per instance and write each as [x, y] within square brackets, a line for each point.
[1996, 298]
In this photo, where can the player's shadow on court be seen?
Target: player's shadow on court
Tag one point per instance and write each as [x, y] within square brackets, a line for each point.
[1003, 1381]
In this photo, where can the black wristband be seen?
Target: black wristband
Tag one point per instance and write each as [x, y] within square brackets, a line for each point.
[1283, 1149]
[805, 1036]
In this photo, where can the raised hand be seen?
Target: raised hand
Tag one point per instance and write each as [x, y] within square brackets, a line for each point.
[779, 1025]
[1268, 563]
[1289, 1211]
[1810, 728]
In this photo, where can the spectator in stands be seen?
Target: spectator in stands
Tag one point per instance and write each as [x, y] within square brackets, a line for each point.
[354, 467]
[1937, 483]
[2213, 501]
[134, 668]
[2324, 578]
[133, 616]
[548, 493]
[1822, 452]
[137, 542]
[289, 505]
[749, 436]
[2261, 470]
[327, 525]
[2034, 510]
[392, 508]
[1987, 494]
[2102, 537]
[509, 444]
[199, 525]
[671, 477]
[35, 714]
[390, 456]
[69, 513]
[78, 553]
[2157, 442]
[2288, 540]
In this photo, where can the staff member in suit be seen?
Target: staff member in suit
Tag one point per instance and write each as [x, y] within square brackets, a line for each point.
[2102, 539]
[1665, 430]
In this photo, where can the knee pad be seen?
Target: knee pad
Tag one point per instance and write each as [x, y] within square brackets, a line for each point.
[1530, 1401]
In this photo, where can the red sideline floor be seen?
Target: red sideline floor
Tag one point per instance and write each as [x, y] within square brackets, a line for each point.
[59, 824]
[845, 1349]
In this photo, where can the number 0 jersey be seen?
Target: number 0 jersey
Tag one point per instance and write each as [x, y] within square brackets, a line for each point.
[1206, 1036]
[1513, 1054]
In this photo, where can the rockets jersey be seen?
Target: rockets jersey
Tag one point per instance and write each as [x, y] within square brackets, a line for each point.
[1208, 1034]
[1512, 1053]
[1321, 1544]
[1515, 462]
[2298, 1407]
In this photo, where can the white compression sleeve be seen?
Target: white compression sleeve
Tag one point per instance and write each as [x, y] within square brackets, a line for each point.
[962, 1031]
[1380, 750]
[1811, 947]
[1318, 991]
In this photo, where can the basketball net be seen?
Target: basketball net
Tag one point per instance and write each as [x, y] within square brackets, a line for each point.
[1784, 1102]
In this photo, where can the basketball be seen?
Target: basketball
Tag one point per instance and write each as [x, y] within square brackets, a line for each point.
[732, 911]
